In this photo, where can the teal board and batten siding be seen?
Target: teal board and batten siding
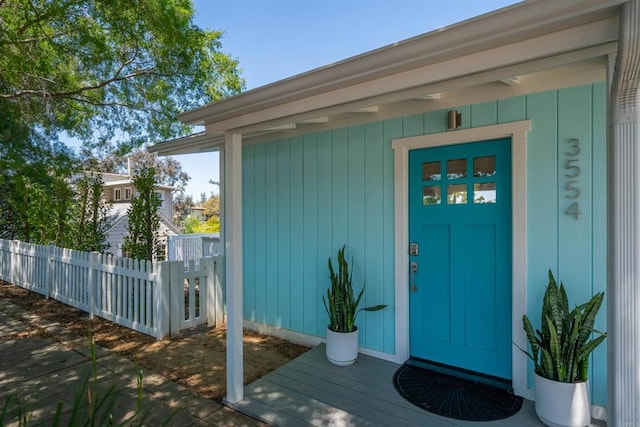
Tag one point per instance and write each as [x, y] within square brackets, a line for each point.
[306, 196]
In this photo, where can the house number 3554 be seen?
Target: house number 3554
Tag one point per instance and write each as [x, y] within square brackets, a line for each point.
[572, 172]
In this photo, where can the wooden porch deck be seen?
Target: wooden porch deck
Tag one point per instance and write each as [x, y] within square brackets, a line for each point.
[310, 391]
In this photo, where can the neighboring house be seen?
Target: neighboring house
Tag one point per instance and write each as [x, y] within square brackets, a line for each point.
[196, 212]
[540, 173]
[118, 189]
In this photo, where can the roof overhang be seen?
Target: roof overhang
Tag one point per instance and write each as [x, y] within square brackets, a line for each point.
[528, 47]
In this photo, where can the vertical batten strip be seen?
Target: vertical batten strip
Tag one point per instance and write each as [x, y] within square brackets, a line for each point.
[624, 225]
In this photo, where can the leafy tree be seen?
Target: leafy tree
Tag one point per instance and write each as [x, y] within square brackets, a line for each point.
[211, 207]
[34, 193]
[89, 222]
[141, 240]
[194, 226]
[212, 225]
[101, 70]
[191, 225]
[182, 205]
[168, 170]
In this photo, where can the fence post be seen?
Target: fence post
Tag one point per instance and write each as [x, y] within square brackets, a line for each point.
[171, 248]
[14, 260]
[215, 306]
[94, 260]
[48, 278]
[176, 289]
[162, 298]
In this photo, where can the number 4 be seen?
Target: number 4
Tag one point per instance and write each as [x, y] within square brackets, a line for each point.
[573, 210]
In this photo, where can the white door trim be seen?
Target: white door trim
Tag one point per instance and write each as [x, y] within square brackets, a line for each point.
[517, 131]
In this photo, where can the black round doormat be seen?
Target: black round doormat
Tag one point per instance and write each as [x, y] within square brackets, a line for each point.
[454, 397]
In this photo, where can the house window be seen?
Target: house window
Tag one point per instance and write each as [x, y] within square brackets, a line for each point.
[159, 196]
[161, 252]
[117, 194]
[128, 193]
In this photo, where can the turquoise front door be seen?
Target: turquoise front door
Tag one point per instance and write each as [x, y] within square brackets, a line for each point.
[460, 256]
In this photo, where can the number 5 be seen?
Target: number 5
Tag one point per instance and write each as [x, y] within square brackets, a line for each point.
[571, 167]
[570, 187]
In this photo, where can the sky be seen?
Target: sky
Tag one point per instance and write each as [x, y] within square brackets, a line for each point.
[276, 39]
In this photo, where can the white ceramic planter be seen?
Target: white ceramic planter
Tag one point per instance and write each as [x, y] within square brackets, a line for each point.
[562, 404]
[342, 348]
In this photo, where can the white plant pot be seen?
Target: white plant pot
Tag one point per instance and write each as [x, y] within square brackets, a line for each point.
[562, 404]
[342, 347]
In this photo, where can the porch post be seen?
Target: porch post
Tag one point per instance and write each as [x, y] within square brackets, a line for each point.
[623, 288]
[233, 261]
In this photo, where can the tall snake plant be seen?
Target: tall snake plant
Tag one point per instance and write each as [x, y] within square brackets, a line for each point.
[341, 304]
[561, 350]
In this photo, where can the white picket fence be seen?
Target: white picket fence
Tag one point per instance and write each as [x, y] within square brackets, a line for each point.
[155, 298]
[188, 247]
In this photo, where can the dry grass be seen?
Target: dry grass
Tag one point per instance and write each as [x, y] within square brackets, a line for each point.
[197, 359]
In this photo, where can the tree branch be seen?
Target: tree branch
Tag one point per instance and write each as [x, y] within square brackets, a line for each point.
[46, 94]
[110, 104]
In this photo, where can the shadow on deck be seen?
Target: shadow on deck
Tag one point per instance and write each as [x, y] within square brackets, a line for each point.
[311, 391]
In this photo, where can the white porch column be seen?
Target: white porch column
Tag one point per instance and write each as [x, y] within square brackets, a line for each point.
[233, 261]
[623, 288]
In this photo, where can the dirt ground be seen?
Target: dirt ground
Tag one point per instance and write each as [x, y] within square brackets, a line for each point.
[196, 359]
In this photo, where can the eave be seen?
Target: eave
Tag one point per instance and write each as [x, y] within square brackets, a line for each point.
[500, 54]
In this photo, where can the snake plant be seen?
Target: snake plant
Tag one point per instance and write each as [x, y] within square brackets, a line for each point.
[341, 303]
[561, 350]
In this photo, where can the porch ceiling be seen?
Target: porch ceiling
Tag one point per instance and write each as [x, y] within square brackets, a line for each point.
[529, 47]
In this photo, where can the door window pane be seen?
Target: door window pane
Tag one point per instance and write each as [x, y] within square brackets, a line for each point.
[456, 168]
[431, 195]
[484, 166]
[484, 192]
[431, 171]
[457, 194]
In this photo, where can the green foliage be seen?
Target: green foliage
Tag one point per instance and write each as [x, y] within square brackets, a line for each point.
[89, 223]
[182, 205]
[34, 190]
[560, 351]
[341, 303]
[193, 225]
[168, 170]
[211, 206]
[141, 240]
[109, 68]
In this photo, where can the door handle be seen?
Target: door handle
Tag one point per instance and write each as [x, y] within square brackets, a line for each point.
[413, 269]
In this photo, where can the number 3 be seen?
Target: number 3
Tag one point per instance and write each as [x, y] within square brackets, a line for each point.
[575, 145]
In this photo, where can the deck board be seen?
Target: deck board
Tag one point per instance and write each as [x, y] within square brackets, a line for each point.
[310, 391]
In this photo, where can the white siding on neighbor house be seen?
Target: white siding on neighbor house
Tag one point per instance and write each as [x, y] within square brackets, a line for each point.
[116, 236]
[166, 208]
[119, 231]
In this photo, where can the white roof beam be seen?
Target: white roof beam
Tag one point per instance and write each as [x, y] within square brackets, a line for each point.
[429, 97]
[372, 109]
[285, 126]
[323, 119]
[511, 81]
